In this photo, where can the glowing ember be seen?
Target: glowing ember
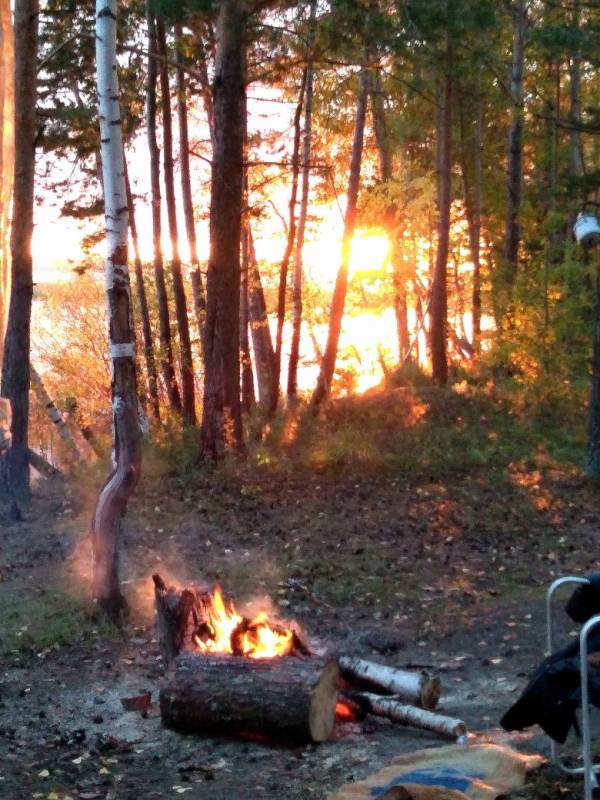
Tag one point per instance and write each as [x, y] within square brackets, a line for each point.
[223, 630]
[344, 712]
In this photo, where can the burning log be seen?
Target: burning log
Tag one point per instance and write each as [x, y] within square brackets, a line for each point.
[417, 688]
[177, 618]
[189, 620]
[396, 711]
[280, 698]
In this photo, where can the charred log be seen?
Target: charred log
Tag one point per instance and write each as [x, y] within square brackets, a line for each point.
[282, 698]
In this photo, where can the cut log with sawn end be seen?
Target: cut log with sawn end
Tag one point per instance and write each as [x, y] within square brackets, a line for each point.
[418, 688]
[283, 699]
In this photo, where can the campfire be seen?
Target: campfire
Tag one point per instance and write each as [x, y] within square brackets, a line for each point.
[223, 630]
[256, 676]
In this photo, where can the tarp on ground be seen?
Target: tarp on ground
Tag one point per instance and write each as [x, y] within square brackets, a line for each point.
[453, 772]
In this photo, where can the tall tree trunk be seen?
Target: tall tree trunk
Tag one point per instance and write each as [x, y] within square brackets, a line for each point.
[439, 289]
[120, 483]
[577, 166]
[15, 365]
[338, 300]
[292, 379]
[386, 171]
[183, 328]
[291, 236]
[400, 305]
[205, 85]
[7, 146]
[512, 236]
[248, 395]
[264, 355]
[143, 303]
[166, 350]
[221, 418]
[186, 190]
[593, 450]
[470, 158]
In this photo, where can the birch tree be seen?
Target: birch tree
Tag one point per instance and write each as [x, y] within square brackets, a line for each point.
[124, 475]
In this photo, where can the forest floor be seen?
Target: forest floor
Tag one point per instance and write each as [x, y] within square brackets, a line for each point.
[445, 568]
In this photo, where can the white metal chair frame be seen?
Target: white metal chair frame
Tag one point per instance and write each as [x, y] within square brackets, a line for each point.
[588, 770]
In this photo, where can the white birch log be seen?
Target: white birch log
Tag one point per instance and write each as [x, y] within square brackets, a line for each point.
[53, 413]
[396, 711]
[418, 688]
[121, 481]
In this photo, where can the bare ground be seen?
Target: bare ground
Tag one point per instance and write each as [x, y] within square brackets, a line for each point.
[416, 572]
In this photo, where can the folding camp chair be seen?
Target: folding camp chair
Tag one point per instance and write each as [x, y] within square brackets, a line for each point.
[588, 770]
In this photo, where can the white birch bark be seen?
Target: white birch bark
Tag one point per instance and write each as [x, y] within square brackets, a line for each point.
[418, 688]
[398, 712]
[120, 483]
[54, 415]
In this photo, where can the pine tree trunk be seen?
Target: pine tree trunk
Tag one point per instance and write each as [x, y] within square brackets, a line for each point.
[205, 85]
[291, 236]
[16, 359]
[386, 172]
[264, 355]
[338, 301]
[248, 395]
[143, 303]
[221, 420]
[593, 451]
[7, 145]
[439, 289]
[512, 236]
[186, 191]
[577, 166]
[120, 483]
[166, 349]
[470, 158]
[292, 379]
[183, 328]
[400, 307]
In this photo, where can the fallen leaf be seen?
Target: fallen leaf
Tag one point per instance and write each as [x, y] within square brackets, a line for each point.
[44, 773]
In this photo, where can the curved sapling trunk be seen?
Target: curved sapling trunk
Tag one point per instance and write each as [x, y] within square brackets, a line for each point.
[122, 479]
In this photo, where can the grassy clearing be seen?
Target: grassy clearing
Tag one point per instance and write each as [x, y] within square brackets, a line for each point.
[421, 430]
[50, 619]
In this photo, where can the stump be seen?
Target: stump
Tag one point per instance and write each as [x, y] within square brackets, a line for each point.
[282, 698]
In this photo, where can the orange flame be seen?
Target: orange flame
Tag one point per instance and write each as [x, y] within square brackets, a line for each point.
[223, 630]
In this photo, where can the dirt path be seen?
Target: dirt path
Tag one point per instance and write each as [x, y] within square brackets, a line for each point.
[450, 577]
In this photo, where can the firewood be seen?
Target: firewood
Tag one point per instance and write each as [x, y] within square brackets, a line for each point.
[182, 620]
[285, 699]
[396, 711]
[42, 466]
[418, 688]
[177, 618]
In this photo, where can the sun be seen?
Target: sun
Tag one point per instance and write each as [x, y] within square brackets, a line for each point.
[369, 251]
